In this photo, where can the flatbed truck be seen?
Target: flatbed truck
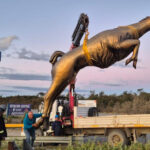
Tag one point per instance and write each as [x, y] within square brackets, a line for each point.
[118, 128]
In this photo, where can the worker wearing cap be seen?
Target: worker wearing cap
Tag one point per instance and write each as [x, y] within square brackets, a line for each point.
[57, 126]
[29, 126]
[3, 132]
[60, 109]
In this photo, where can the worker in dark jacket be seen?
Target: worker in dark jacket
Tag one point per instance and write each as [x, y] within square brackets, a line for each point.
[3, 132]
[57, 126]
[29, 126]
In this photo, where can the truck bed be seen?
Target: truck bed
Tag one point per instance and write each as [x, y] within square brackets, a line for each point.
[112, 121]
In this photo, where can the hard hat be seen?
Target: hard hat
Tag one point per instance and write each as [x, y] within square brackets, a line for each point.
[3, 107]
[56, 116]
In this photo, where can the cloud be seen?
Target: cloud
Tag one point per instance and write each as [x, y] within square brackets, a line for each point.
[81, 90]
[106, 84]
[7, 91]
[6, 70]
[121, 64]
[27, 54]
[40, 89]
[21, 90]
[5, 42]
[17, 76]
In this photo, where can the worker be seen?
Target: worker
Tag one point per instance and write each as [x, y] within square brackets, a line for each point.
[25, 112]
[57, 126]
[3, 132]
[29, 126]
[60, 109]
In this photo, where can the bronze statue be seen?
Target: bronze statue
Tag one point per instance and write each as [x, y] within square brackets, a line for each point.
[102, 50]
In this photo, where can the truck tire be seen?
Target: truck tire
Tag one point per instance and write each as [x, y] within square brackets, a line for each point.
[117, 136]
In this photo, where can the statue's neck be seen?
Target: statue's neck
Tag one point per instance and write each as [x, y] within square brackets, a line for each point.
[142, 26]
[81, 61]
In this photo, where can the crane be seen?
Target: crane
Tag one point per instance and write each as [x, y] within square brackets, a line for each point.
[77, 35]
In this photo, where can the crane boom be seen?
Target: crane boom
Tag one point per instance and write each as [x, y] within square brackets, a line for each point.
[77, 35]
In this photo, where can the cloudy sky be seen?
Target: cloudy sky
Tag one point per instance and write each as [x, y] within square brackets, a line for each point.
[31, 30]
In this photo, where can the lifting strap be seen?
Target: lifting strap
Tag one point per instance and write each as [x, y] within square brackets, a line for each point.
[85, 49]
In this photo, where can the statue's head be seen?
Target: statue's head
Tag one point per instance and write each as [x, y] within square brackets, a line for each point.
[146, 18]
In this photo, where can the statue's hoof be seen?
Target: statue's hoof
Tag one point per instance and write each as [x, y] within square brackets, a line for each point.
[46, 123]
[40, 122]
[128, 61]
[134, 64]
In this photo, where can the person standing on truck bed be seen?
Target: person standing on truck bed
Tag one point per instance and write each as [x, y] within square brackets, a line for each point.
[3, 132]
[60, 109]
[57, 126]
[29, 126]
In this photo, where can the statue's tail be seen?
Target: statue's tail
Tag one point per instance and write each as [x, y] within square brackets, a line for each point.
[54, 56]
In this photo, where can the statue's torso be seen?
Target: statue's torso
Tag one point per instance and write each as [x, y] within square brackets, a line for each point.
[102, 54]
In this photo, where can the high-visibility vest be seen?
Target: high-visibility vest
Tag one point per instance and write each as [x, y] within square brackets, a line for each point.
[1, 131]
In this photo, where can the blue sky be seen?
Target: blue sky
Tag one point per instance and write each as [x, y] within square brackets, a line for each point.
[31, 30]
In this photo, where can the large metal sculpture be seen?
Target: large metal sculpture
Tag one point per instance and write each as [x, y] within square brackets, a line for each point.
[102, 50]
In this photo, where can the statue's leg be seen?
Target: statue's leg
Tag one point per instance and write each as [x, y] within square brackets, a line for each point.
[134, 55]
[127, 44]
[60, 87]
[56, 88]
[48, 99]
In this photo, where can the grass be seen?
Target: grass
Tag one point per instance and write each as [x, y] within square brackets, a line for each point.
[98, 146]
[105, 146]
[91, 146]
[13, 119]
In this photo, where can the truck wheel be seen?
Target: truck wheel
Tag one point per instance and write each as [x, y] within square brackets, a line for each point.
[116, 137]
